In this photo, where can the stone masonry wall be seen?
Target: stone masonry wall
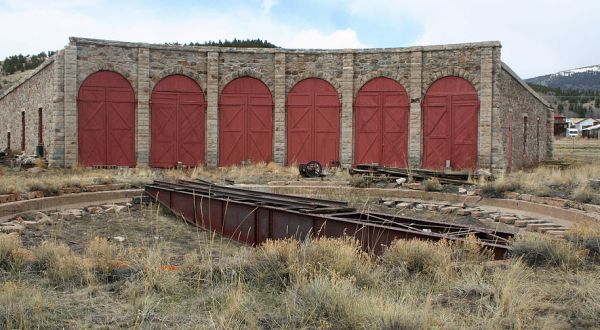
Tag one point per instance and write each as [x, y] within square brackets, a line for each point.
[537, 144]
[28, 96]
[415, 68]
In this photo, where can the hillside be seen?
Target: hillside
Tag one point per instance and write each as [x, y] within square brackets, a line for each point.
[586, 78]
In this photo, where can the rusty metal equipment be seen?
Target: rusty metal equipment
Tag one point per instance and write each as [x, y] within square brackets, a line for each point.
[459, 178]
[312, 169]
[253, 217]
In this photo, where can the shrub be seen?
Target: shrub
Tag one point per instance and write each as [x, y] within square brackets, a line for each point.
[335, 303]
[273, 264]
[47, 254]
[586, 195]
[496, 189]
[156, 273]
[21, 306]
[359, 181]
[585, 237]
[47, 189]
[432, 184]
[339, 256]
[416, 257]
[69, 271]
[468, 251]
[103, 256]
[11, 256]
[542, 250]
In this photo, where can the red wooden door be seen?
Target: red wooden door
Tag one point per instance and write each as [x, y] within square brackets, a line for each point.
[381, 119]
[106, 120]
[313, 122]
[245, 122]
[177, 119]
[450, 124]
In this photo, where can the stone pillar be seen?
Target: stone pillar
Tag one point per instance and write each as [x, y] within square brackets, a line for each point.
[56, 155]
[212, 109]
[415, 134]
[70, 101]
[486, 109]
[143, 109]
[279, 136]
[346, 144]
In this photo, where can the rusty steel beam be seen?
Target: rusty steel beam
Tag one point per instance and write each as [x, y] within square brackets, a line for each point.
[253, 217]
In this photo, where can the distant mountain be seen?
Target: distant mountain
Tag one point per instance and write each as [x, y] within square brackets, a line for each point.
[586, 78]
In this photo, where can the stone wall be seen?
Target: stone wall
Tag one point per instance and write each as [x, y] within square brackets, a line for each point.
[535, 144]
[29, 95]
[415, 68]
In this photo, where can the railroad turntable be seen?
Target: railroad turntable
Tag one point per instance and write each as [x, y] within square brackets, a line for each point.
[254, 217]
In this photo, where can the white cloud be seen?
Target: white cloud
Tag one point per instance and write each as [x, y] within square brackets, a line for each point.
[266, 5]
[538, 36]
[311, 38]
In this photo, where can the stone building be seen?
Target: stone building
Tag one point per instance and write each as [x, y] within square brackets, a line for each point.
[99, 102]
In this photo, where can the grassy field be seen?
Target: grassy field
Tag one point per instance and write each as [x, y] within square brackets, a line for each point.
[52, 180]
[577, 150]
[570, 183]
[167, 274]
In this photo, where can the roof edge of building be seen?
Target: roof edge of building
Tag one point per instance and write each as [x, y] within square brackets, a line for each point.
[25, 79]
[481, 44]
[506, 68]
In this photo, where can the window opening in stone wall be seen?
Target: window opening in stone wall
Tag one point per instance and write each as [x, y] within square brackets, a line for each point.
[524, 137]
[510, 141]
[7, 140]
[23, 130]
[40, 127]
[537, 141]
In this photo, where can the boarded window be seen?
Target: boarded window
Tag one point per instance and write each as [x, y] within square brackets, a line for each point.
[40, 127]
[23, 130]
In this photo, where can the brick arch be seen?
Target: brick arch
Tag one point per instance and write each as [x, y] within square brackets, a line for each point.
[246, 72]
[453, 72]
[105, 66]
[291, 82]
[381, 73]
[178, 70]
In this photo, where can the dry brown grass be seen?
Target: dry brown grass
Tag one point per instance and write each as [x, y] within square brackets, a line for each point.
[253, 173]
[52, 180]
[318, 283]
[21, 306]
[571, 183]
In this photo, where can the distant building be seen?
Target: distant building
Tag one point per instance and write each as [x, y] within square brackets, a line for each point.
[560, 125]
[581, 123]
[591, 132]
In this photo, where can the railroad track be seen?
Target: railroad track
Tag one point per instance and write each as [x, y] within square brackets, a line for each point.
[253, 217]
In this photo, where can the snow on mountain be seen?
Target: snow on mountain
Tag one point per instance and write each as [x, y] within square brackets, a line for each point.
[579, 78]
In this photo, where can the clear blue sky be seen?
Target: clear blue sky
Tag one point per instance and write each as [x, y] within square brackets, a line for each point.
[538, 37]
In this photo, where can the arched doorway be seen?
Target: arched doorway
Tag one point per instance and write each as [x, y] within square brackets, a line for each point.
[381, 123]
[178, 124]
[450, 125]
[245, 122]
[106, 120]
[313, 122]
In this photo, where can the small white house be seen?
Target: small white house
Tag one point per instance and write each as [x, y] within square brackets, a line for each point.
[581, 123]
